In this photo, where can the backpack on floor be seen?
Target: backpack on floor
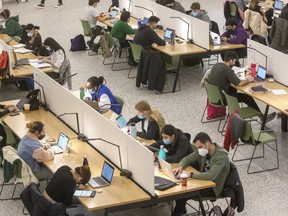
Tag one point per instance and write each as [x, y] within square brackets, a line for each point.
[78, 43]
[214, 112]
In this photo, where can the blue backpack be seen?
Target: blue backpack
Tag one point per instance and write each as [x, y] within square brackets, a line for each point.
[78, 43]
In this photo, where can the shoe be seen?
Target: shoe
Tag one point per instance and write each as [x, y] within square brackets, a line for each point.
[58, 5]
[269, 118]
[89, 44]
[39, 6]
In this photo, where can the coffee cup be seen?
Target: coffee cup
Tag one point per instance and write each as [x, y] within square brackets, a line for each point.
[184, 178]
[27, 107]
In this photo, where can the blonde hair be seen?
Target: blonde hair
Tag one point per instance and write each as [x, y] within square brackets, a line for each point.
[158, 117]
[35, 126]
[143, 106]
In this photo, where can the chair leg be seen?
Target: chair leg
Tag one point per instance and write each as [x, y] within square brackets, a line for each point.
[131, 77]
[13, 192]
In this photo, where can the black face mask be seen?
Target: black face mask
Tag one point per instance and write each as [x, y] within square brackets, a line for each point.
[41, 137]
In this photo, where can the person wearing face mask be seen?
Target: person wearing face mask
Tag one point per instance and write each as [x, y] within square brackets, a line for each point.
[223, 76]
[152, 121]
[97, 91]
[214, 166]
[200, 14]
[34, 40]
[56, 58]
[10, 25]
[146, 35]
[175, 142]
[34, 152]
[175, 5]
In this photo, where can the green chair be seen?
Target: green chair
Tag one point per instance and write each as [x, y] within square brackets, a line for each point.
[120, 101]
[87, 33]
[10, 137]
[136, 52]
[233, 9]
[215, 98]
[256, 139]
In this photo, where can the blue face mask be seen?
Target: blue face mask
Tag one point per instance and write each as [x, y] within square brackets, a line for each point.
[90, 91]
[194, 14]
[141, 116]
[167, 141]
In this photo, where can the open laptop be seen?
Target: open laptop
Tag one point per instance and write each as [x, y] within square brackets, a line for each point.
[93, 104]
[23, 61]
[214, 39]
[145, 20]
[113, 14]
[261, 74]
[61, 143]
[168, 34]
[278, 6]
[106, 177]
[121, 122]
[167, 169]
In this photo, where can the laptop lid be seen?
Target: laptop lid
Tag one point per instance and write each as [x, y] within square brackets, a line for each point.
[261, 72]
[93, 104]
[62, 140]
[214, 39]
[107, 172]
[113, 14]
[121, 121]
[167, 169]
[168, 32]
[145, 20]
[22, 101]
[278, 5]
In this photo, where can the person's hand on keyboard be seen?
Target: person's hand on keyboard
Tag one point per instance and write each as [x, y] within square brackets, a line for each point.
[11, 108]
[177, 171]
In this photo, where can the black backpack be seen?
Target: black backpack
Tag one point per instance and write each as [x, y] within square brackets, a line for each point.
[78, 43]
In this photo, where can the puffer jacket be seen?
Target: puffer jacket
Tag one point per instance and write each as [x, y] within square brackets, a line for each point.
[253, 20]
[279, 35]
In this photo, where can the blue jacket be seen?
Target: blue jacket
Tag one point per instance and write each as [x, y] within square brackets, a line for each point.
[105, 90]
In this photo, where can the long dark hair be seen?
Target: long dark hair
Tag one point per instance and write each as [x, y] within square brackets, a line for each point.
[53, 44]
[96, 81]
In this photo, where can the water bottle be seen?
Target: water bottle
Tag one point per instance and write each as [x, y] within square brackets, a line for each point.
[172, 39]
[162, 153]
[85, 161]
[133, 130]
[82, 93]
[253, 69]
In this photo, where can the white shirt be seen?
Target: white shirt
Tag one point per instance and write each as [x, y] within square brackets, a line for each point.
[57, 59]
[104, 101]
[90, 16]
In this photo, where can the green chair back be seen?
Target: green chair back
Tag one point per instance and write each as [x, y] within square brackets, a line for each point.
[248, 134]
[136, 51]
[214, 95]
[86, 28]
[120, 101]
[232, 103]
[233, 9]
[10, 140]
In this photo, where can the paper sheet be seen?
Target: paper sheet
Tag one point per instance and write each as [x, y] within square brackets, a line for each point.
[278, 91]
[22, 50]
[18, 45]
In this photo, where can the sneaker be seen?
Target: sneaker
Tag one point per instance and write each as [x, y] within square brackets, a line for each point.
[269, 118]
[89, 43]
[58, 5]
[39, 6]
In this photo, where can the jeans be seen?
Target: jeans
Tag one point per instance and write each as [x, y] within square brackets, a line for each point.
[59, 2]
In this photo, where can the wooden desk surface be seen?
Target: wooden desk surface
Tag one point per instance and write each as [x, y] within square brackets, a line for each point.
[122, 190]
[192, 184]
[25, 70]
[226, 46]
[279, 102]
[267, 4]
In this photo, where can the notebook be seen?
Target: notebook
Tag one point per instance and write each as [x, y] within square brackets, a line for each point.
[168, 170]
[120, 120]
[261, 74]
[168, 34]
[61, 143]
[214, 39]
[105, 179]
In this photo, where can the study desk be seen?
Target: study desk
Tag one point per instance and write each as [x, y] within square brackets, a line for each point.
[25, 70]
[279, 102]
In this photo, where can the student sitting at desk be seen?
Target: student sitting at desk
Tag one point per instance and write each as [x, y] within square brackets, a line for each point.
[56, 58]
[152, 121]
[12, 26]
[101, 93]
[200, 14]
[34, 40]
[65, 180]
[254, 6]
[215, 166]
[34, 152]
[146, 35]
[223, 76]
[175, 142]
[175, 5]
[7, 109]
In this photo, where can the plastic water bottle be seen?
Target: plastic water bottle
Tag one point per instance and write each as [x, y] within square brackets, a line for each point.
[253, 69]
[172, 39]
[82, 93]
[133, 130]
[162, 153]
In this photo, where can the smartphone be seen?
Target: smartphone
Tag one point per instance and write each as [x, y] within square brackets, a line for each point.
[14, 113]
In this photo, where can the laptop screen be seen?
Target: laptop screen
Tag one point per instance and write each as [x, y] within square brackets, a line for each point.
[121, 121]
[113, 14]
[62, 140]
[278, 5]
[107, 172]
[168, 33]
[145, 20]
[261, 72]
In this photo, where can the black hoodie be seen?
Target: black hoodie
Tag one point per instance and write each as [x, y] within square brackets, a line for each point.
[145, 36]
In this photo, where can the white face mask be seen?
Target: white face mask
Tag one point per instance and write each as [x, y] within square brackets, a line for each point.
[203, 152]
[2, 20]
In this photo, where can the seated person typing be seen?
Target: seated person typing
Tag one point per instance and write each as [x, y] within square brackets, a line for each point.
[7, 109]
[34, 152]
[98, 91]
[214, 166]
[175, 142]
[152, 121]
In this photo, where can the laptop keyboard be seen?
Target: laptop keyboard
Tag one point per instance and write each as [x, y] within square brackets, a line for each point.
[100, 181]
